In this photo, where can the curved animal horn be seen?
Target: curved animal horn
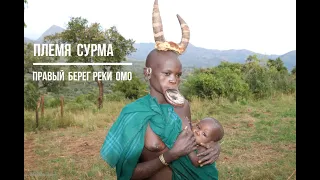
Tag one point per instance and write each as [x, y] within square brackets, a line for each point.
[185, 34]
[157, 23]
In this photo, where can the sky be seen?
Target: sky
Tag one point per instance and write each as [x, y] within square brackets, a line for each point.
[261, 26]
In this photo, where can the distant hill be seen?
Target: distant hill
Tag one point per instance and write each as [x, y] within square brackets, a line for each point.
[52, 30]
[289, 59]
[194, 56]
[27, 40]
[201, 57]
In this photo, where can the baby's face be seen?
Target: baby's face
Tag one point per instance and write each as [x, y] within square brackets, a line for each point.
[205, 131]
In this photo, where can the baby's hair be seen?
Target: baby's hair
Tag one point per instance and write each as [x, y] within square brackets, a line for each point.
[217, 124]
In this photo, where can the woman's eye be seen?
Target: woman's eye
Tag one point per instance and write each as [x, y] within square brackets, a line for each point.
[198, 127]
[166, 73]
[204, 134]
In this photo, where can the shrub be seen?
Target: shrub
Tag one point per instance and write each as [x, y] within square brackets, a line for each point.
[132, 89]
[221, 81]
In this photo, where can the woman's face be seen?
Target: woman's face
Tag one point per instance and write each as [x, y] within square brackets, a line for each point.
[166, 75]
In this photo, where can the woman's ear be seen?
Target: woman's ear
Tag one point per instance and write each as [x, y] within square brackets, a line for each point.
[147, 73]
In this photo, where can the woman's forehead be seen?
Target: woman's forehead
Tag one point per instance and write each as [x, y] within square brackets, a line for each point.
[171, 64]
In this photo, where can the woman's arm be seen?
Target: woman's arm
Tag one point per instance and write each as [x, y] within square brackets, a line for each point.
[194, 158]
[147, 169]
[193, 155]
[184, 144]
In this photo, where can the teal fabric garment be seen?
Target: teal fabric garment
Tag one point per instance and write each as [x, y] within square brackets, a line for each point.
[125, 140]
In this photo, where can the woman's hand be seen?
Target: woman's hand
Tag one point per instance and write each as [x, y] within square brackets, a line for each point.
[184, 144]
[210, 155]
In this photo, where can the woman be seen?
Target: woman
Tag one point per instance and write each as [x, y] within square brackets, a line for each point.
[152, 136]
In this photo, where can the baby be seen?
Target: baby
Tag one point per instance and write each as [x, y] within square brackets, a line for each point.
[207, 130]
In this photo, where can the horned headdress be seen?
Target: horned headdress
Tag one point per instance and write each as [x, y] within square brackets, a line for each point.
[161, 43]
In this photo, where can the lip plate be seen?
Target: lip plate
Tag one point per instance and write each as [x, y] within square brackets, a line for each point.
[172, 101]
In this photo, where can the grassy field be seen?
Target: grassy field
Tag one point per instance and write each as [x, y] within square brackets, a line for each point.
[259, 141]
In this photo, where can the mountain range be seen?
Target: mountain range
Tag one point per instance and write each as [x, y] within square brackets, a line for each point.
[194, 56]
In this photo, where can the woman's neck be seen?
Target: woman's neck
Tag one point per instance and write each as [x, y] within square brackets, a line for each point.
[159, 96]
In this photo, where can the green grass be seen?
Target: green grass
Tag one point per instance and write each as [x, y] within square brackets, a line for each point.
[259, 141]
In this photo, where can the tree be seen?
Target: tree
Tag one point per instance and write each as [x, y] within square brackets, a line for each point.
[25, 3]
[34, 87]
[277, 64]
[252, 58]
[133, 89]
[293, 71]
[79, 31]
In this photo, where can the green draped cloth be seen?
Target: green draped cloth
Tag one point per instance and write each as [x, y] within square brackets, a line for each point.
[125, 140]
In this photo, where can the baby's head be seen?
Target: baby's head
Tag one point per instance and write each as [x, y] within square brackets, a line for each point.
[208, 129]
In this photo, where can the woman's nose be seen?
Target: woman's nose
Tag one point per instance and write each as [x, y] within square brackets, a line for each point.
[172, 81]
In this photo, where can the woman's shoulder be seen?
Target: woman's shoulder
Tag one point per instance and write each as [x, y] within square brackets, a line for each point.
[137, 105]
[186, 107]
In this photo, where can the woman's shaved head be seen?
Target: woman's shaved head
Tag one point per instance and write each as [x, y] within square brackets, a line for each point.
[155, 58]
